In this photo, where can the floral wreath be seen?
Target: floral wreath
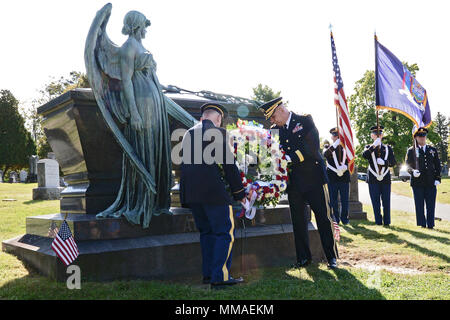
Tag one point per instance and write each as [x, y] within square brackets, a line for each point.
[262, 164]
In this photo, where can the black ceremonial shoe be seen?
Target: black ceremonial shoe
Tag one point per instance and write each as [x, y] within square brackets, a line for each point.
[206, 280]
[225, 284]
[301, 264]
[332, 263]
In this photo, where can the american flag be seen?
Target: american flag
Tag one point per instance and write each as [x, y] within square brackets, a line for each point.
[64, 245]
[337, 231]
[344, 126]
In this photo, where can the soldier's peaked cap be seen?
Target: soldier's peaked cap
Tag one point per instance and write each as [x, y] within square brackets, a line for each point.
[374, 129]
[334, 131]
[268, 108]
[421, 132]
[216, 107]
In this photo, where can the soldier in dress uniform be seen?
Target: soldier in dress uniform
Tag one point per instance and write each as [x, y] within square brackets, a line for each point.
[338, 177]
[307, 182]
[380, 157]
[203, 190]
[425, 169]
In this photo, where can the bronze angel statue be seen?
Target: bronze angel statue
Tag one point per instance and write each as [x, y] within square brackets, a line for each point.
[133, 106]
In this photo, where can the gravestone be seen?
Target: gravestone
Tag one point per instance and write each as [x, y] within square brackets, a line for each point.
[23, 176]
[355, 207]
[1, 176]
[13, 177]
[48, 180]
[32, 176]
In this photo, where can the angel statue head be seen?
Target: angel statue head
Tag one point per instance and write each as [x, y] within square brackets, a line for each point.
[134, 24]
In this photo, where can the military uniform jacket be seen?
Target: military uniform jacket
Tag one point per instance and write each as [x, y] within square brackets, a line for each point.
[429, 166]
[204, 183]
[300, 141]
[376, 171]
[334, 156]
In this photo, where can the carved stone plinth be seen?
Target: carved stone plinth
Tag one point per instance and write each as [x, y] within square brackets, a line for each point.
[355, 207]
[114, 249]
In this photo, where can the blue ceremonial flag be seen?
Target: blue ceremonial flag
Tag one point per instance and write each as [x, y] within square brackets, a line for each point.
[397, 89]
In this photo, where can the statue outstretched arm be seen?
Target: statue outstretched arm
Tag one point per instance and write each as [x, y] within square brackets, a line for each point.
[179, 113]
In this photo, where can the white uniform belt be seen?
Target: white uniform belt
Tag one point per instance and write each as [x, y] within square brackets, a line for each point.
[384, 171]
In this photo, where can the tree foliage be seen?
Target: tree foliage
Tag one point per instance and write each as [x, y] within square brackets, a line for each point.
[397, 127]
[264, 93]
[442, 130]
[16, 144]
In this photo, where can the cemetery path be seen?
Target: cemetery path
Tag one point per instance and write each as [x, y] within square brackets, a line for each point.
[402, 203]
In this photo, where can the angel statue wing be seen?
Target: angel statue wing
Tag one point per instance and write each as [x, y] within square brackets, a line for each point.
[102, 61]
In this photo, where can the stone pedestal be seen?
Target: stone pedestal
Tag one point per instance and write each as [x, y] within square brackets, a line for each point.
[48, 180]
[114, 249]
[355, 207]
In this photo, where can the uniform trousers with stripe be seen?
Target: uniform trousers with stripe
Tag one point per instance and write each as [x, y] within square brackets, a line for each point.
[318, 199]
[422, 196]
[343, 189]
[216, 226]
[381, 192]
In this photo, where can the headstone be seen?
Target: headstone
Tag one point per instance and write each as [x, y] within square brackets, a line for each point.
[23, 176]
[62, 183]
[1, 176]
[355, 208]
[32, 176]
[13, 177]
[48, 180]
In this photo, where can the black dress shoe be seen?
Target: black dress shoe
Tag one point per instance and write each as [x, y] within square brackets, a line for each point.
[332, 263]
[301, 264]
[225, 284]
[206, 280]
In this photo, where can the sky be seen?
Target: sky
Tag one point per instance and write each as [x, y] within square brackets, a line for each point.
[231, 46]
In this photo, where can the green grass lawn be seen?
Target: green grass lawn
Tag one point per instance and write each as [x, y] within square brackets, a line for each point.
[400, 262]
[443, 190]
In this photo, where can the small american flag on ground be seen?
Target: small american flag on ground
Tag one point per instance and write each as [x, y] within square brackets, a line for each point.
[344, 126]
[64, 245]
[337, 231]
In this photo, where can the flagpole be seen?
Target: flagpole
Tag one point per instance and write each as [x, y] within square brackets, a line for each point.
[376, 87]
[416, 161]
[337, 115]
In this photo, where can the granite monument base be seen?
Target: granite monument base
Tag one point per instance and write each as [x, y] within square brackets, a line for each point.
[47, 193]
[113, 249]
[355, 211]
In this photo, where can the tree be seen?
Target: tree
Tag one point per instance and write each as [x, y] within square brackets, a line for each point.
[442, 130]
[397, 128]
[16, 143]
[264, 93]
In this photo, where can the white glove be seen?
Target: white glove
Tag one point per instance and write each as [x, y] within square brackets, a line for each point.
[377, 142]
[343, 168]
[340, 173]
[380, 161]
[336, 143]
[416, 173]
[437, 182]
[246, 204]
[288, 158]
